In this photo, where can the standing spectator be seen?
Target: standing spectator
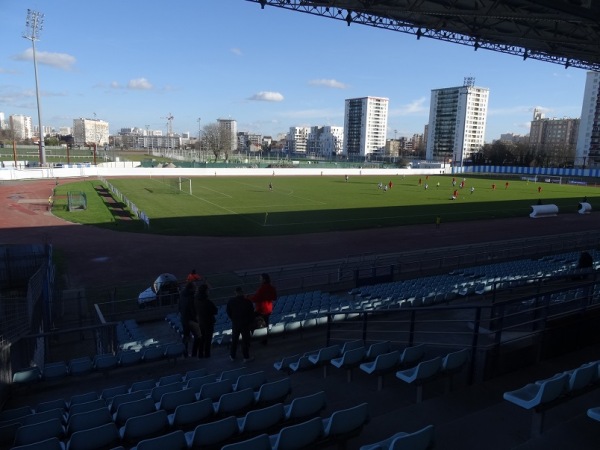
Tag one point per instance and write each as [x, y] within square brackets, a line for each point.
[241, 314]
[206, 311]
[193, 276]
[263, 300]
[189, 319]
[186, 298]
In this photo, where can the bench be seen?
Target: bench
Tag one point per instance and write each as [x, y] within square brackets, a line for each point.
[543, 211]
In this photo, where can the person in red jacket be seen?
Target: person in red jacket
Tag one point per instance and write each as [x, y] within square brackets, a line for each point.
[263, 300]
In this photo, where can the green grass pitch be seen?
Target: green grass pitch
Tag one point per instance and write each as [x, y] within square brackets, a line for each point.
[245, 206]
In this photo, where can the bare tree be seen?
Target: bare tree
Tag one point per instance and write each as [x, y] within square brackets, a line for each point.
[211, 137]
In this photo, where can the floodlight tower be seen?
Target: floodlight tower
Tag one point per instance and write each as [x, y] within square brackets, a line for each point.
[34, 24]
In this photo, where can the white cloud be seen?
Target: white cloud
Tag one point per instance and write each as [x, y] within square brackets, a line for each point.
[267, 96]
[236, 51]
[61, 61]
[511, 111]
[115, 85]
[331, 83]
[8, 71]
[415, 107]
[139, 84]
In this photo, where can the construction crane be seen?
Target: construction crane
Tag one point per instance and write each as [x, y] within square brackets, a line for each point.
[169, 124]
[169, 129]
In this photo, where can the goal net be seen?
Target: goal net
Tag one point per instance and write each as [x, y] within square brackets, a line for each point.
[552, 179]
[178, 184]
[76, 201]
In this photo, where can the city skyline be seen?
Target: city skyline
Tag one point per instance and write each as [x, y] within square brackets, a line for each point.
[267, 69]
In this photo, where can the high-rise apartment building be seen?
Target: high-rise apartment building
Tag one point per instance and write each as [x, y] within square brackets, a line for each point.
[228, 134]
[554, 140]
[588, 141]
[90, 131]
[21, 126]
[3, 124]
[365, 126]
[457, 118]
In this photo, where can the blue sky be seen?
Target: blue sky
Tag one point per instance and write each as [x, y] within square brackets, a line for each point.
[134, 62]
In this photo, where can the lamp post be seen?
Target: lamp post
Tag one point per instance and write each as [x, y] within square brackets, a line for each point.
[34, 24]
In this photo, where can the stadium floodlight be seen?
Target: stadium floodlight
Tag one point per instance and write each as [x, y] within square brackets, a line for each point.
[34, 24]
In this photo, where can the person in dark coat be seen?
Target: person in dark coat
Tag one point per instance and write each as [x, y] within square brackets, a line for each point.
[241, 313]
[205, 314]
[186, 312]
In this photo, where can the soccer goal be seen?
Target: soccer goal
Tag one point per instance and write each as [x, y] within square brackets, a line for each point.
[178, 184]
[76, 201]
[185, 185]
[553, 179]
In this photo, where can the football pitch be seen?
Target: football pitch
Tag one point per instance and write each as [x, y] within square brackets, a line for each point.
[279, 205]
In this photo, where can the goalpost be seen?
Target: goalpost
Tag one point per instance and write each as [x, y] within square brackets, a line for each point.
[179, 184]
[552, 179]
[185, 185]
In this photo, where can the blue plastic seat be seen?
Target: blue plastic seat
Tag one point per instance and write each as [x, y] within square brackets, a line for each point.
[171, 400]
[86, 420]
[349, 360]
[171, 441]
[345, 423]
[301, 435]
[419, 440]
[260, 442]
[412, 355]
[169, 379]
[594, 413]
[197, 382]
[190, 415]
[27, 376]
[215, 390]
[212, 434]
[87, 406]
[423, 372]
[273, 392]
[143, 427]
[132, 409]
[261, 420]
[81, 366]
[234, 403]
[105, 362]
[29, 434]
[384, 363]
[250, 380]
[303, 407]
[324, 356]
[48, 444]
[103, 436]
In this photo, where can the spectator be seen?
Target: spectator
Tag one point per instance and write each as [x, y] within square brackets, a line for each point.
[206, 311]
[186, 298]
[193, 276]
[241, 314]
[188, 317]
[263, 300]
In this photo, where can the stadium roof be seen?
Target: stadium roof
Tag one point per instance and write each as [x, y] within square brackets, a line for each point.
[565, 32]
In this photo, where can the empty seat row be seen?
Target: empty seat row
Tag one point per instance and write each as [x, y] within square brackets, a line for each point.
[100, 363]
